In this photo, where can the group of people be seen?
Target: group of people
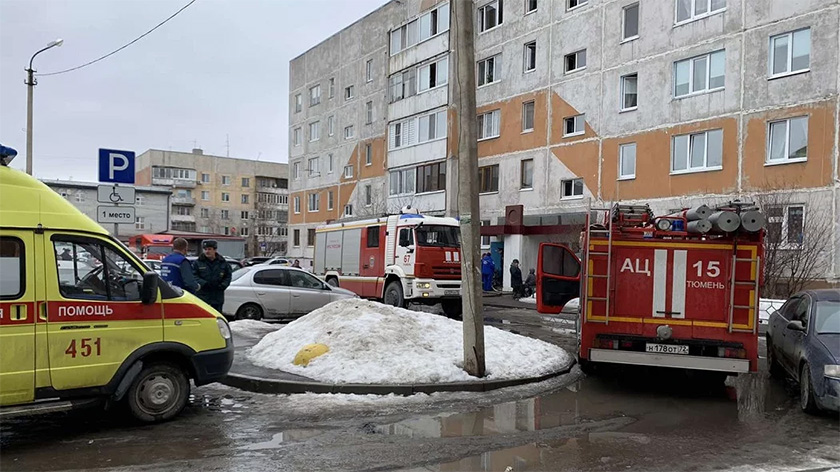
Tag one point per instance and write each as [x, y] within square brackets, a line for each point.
[207, 277]
[520, 289]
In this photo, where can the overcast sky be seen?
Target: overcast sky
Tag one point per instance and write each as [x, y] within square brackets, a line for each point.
[218, 68]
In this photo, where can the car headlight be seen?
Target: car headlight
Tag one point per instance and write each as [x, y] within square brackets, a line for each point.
[832, 371]
[224, 329]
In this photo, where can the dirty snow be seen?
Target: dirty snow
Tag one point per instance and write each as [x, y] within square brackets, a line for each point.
[572, 305]
[252, 328]
[373, 343]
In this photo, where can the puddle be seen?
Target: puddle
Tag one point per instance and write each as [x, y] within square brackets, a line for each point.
[285, 437]
[224, 404]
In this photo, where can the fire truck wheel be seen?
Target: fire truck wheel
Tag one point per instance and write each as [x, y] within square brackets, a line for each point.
[332, 281]
[394, 295]
[806, 390]
[452, 308]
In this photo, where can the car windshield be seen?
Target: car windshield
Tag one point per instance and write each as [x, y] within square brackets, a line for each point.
[828, 317]
[163, 250]
[438, 235]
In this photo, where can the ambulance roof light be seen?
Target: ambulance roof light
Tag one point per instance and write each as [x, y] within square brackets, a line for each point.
[7, 155]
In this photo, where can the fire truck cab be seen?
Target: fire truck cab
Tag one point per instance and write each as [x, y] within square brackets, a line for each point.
[398, 259]
[665, 291]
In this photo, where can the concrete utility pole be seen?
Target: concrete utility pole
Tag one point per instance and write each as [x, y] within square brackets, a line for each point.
[31, 82]
[462, 45]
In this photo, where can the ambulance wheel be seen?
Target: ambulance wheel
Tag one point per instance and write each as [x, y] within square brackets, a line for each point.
[452, 309]
[394, 295]
[159, 393]
[249, 311]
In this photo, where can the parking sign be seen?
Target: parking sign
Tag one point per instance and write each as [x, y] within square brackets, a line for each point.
[116, 166]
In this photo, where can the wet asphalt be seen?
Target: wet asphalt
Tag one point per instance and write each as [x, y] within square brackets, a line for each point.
[615, 420]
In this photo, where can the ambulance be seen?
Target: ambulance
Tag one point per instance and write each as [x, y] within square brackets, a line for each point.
[82, 320]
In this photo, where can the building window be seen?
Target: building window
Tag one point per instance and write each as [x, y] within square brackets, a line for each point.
[296, 171]
[140, 222]
[431, 127]
[224, 214]
[485, 240]
[575, 61]
[572, 188]
[430, 24]
[368, 155]
[790, 52]
[697, 152]
[296, 238]
[690, 10]
[205, 178]
[431, 177]
[489, 70]
[310, 237]
[572, 4]
[349, 92]
[314, 131]
[530, 56]
[700, 74]
[245, 198]
[313, 167]
[332, 87]
[243, 231]
[490, 16]
[205, 195]
[368, 195]
[330, 201]
[246, 181]
[315, 95]
[402, 84]
[574, 125]
[296, 136]
[80, 197]
[434, 74]
[330, 163]
[369, 70]
[627, 161]
[298, 103]
[348, 132]
[488, 179]
[225, 197]
[348, 172]
[243, 215]
[139, 200]
[225, 180]
[314, 202]
[629, 92]
[368, 112]
[348, 210]
[528, 116]
[530, 6]
[205, 213]
[787, 140]
[402, 181]
[526, 174]
[331, 125]
[488, 125]
[785, 224]
[297, 205]
[630, 22]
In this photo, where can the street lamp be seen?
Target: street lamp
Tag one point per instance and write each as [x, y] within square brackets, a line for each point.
[30, 83]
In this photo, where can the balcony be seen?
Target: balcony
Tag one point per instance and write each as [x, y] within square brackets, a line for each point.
[178, 183]
[269, 189]
[185, 201]
[182, 218]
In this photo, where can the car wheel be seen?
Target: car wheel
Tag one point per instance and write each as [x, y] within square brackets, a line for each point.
[159, 393]
[394, 295]
[772, 362]
[332, 281]
[806, 390]
[249, 312]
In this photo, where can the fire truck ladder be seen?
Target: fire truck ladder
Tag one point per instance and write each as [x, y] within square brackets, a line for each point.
[607, 230]
[754, 301]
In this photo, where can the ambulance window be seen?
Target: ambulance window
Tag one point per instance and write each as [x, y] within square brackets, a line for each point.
[373, 236]
[12, 273]
[559, 261]
[89, 270]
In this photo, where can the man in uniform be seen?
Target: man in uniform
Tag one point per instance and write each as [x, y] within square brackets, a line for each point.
[176, 269]
[212, 272]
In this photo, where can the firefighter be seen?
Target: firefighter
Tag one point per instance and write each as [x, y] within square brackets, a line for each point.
[516, 279]
[488, 269]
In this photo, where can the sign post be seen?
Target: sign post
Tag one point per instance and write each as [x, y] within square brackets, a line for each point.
[116, 167]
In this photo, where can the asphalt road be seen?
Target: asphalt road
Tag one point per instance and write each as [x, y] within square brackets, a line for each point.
[619, 419]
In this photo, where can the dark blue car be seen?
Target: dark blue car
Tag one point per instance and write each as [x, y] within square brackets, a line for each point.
[803, 340]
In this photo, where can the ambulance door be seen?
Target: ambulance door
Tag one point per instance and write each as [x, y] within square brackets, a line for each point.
[17, 317]
[558, 277]
[96, 313]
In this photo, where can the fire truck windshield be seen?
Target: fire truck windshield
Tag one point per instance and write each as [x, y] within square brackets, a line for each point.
[163, 250]
[438, 236]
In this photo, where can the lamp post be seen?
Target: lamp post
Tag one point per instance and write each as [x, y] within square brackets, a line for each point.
[30, 85]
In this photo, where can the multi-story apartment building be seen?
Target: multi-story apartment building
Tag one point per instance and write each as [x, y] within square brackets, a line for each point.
[151, 206]
[586, 102]
[222, 195]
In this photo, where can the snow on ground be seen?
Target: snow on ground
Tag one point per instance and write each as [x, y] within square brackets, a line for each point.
[766, 306]
[573, 304]
[252, 328]
[373, 343]
[532, 299]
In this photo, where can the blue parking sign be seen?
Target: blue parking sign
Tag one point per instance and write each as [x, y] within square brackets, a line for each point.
[116, 166]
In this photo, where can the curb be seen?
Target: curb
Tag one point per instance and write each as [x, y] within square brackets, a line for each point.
[261, 385]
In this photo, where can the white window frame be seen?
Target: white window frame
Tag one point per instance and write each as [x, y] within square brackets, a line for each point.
[418, 77]
[369, 113]
[533, 104]
[348, 172]
[368, 154]
[691, 91]
[139, 222]
[225, 197]
[224, 214]
[623, 92]
[313, 202]
[296, 136]
[581, 118]
[296, 170]
[522, 185]
[528, 4]
[577, 4]
[316, 135]
[624, 9]
[205, 178]
[405, 181]
[331, 125]
[349, 92]
[576, 55]
[313, 167]
[296, 205]
[332, 88]
[621, 148]
[787, 159]
[705, 167]
[330, 200]
[694, 17]
[526, 50]
[225, 180]
[412, 33]
[298, 103]
[368, 195]
[349, 132]
[771, 60]
[497, 73]
[573, 196]
[369, 70]
[330, 163]
[348, 210]
[315, 95]
[496, 125]
[500, 17]
[205, 193]
[244, 198]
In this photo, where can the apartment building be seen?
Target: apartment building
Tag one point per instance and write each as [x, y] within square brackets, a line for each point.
[586, 102]
[223, 195]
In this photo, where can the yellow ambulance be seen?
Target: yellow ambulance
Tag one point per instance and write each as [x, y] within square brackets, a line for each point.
[82, 319]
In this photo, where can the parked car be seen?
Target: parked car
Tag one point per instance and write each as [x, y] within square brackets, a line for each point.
[153, 264]
[234, 264]
[266, 291]
[278, 261]
[803, 340]
[254, 260]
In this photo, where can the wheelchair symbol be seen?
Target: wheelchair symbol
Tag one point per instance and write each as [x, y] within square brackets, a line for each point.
[115, 197]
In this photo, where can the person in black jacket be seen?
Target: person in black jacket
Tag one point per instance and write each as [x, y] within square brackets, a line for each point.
[212, 272]
[516, 279]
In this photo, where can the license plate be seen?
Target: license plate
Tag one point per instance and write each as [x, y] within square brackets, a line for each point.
[667, 348]
[451, 292]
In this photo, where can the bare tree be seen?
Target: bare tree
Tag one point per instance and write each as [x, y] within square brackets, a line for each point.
[267, 222]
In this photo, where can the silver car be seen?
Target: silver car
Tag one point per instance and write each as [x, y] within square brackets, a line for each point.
[274, 292]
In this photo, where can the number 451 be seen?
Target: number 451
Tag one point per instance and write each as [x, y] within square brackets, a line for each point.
[712, 269]
[85, 347]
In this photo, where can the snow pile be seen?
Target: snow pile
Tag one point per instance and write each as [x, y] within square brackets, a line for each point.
[374, 343]
[767, 306]
[252, 328]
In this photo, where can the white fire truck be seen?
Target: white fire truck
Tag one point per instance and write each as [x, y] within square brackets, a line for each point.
[397, 259]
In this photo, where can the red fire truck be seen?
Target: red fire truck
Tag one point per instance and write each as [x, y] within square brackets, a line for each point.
[676, 291]
[399, 259]
[152, 246]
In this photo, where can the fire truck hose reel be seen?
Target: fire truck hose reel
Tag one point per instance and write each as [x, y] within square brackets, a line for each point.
[664, 332]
